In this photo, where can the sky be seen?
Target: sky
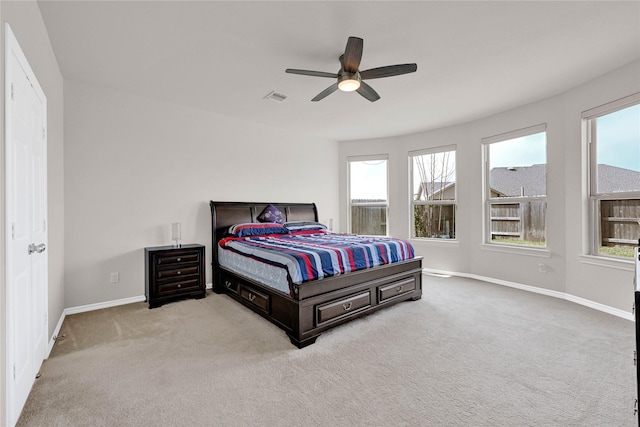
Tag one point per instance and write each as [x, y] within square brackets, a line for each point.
[368, 179]
[618, 138]
[524, 151]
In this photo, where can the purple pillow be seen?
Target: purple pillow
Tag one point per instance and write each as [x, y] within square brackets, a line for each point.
[271, 214]
[256, 229]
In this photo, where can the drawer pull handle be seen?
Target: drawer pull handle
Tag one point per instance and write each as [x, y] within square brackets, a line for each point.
[179, 285]
[399, 288]
[227, 283]
[179, 259]
[252, 297]
[347, 306]
[179, 272]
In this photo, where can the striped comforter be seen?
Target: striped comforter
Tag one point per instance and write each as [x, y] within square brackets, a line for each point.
[314, 255]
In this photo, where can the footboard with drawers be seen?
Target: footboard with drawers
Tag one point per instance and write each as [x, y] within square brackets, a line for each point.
[311, 309]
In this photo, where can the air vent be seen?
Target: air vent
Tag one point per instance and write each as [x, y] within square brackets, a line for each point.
[276, 96]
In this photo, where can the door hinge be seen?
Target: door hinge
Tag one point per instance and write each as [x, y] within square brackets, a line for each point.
[13, 231]
[46, 318]
[44, 225]
[12, 98]
[14, 371]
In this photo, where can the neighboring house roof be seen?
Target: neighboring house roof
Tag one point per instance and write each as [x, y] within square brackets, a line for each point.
[519, 180]
[612, 179]
[531, 181]
[437, 187]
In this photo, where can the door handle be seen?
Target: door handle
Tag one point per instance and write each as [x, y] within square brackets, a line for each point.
[37, 248]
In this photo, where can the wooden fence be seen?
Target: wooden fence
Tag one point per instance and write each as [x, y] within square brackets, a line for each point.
[369, 220]
[523, 221]
[619, 222]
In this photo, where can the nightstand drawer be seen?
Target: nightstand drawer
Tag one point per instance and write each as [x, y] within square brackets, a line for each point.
[182, 285]
[177, 271]
[175, 259]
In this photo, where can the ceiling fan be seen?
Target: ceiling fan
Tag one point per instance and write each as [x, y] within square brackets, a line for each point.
[350, 78]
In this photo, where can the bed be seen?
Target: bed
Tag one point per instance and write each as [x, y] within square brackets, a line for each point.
[305, 310]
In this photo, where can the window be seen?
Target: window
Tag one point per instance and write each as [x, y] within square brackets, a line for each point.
[516, 187]
[368, 201]
[433, 193]
[613, 138]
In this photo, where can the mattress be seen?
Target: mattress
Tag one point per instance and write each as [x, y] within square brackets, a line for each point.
[296, 258]
[267, 274]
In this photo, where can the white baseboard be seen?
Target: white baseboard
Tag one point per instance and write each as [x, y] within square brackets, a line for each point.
[107, 304]
[561, 295]
[56, 332]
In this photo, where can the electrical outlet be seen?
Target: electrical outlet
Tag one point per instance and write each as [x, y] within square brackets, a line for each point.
[115, 277]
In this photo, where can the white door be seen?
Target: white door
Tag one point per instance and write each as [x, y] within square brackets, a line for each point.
[26, 203]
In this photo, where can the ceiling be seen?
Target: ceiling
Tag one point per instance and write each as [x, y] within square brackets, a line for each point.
[474, 58]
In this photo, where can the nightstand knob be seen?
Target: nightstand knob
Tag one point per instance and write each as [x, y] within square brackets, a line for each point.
[179, 285]
[179, 272]
[179, 259]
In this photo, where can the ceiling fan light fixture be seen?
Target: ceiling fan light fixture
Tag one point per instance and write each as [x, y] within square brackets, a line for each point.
[349, 82]
[349, 76]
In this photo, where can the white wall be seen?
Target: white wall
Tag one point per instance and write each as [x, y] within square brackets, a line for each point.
[134, 165]
[612, 284]
[27, 24]
[568, 271]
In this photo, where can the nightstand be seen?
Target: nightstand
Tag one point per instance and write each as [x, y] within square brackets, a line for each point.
[173, 272]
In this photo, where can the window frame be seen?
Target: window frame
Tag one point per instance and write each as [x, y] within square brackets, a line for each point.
[350, 205]
[486, 188]
[593, 198]
[413, 203]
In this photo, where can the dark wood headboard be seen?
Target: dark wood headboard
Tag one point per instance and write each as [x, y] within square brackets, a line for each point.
[224, 214]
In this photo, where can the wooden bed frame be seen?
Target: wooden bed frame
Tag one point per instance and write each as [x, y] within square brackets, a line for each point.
[316, 307]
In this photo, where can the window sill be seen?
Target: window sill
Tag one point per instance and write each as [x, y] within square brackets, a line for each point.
[524, 250]
[600, 261]
[433, 242]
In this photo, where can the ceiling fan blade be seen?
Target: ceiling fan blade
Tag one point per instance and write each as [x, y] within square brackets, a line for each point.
[311, 73]
[388, 71]
[352, 54]
[328, 91]
[367, 91]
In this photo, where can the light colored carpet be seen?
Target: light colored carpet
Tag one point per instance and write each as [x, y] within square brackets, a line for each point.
[468, 354]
